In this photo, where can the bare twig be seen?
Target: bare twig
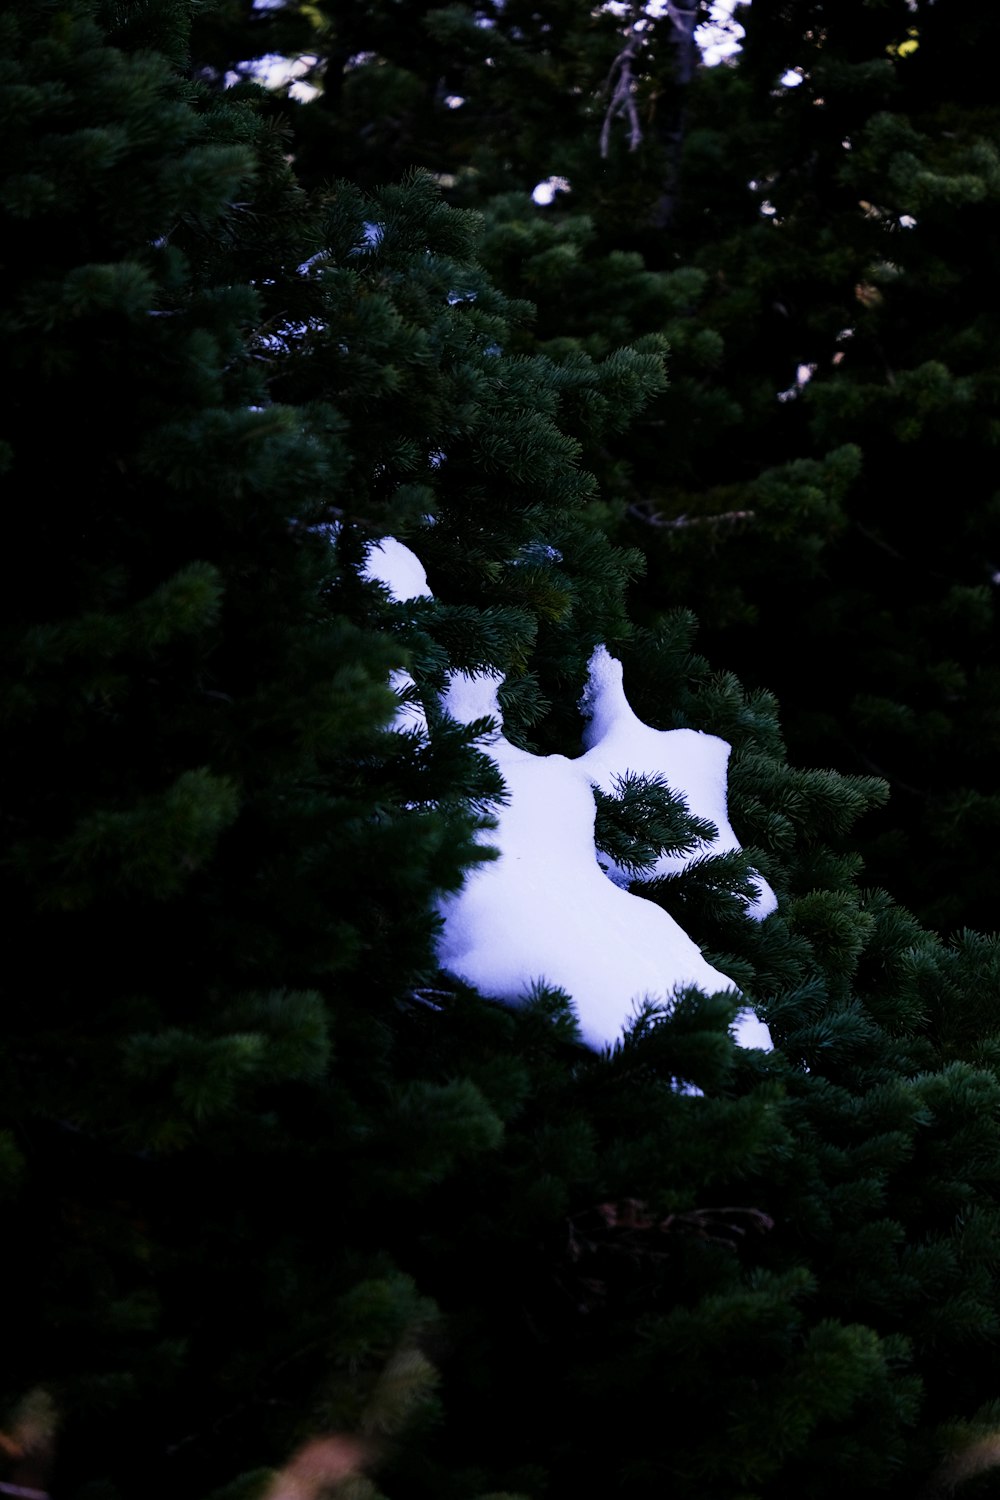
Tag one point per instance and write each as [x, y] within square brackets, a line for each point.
[621, 83]
[621, 86]
[644, 512]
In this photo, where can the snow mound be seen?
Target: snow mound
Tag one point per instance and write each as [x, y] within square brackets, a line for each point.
[390, 563]
[694, 764]
[544, 910]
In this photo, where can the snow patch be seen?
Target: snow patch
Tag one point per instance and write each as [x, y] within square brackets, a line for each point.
[544, 910]
[537, 553]
[544, 192]
[307, 266]
[409, 715]
[693, 763]
[287, 335]
[400, 571]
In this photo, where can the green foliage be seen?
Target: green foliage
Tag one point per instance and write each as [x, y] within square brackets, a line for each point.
[643, 819]
[843, 228]
[271, 1178]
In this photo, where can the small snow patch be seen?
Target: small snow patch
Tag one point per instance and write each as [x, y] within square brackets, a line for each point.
[400, 571]
[545, 192]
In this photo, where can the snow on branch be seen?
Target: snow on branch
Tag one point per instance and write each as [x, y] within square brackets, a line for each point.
[548, 910]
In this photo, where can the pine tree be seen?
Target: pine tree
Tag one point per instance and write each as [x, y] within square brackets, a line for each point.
[856, 252]
[834, 232]
[208, 829]
[283, 1197]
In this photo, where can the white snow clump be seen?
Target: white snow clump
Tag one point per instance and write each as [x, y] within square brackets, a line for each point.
[398, 569]
[545, 911]
[694, 764]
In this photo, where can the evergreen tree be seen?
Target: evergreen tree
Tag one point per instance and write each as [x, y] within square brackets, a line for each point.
[281, 1196]
[812, 228]
[850, 269]
[208, 830]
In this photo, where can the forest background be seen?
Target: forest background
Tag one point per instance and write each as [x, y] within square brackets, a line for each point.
[289, 1210]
